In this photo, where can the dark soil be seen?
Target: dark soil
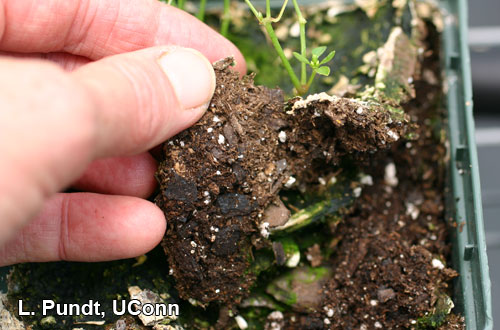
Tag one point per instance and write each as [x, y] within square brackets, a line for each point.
[390, 263]
[218, 177]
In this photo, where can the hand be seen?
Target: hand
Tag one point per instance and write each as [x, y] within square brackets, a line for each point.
[88, 120]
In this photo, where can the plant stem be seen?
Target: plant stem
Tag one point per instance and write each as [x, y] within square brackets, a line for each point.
[180, 4]
[254, 11]
[267, 22]
[268, 9]
[277, 19]
[302, 25]
[226, 18]
[309, 82]
[201, 10]
[284, 60]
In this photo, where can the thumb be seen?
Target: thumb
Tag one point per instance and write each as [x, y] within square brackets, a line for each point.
[117, 106]
[144, 97]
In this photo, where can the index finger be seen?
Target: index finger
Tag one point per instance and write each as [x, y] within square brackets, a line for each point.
[97, 28]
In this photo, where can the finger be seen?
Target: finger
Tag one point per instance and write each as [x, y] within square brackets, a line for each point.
[96, 28]
[87, 227]
[131, 176]
[60, 122]
[68, 62]
[146, 96]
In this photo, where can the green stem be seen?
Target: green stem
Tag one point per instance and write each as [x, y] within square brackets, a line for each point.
[267, 22]
[180, 4]
[268, 9]
[201, 10]
[284, 60]
[302, 24]
[277, 19]
[254, 11]
[226, 18]
[309, 82]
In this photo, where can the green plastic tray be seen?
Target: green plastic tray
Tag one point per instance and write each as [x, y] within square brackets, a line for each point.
[473, 288]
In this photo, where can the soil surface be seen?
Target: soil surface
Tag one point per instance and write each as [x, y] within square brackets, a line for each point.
[219, 176]
[390, 268]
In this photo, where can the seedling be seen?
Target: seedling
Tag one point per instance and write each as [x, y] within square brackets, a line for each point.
[303, 84]
[315, 64]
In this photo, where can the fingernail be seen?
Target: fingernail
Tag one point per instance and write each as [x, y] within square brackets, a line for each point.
[190, 74]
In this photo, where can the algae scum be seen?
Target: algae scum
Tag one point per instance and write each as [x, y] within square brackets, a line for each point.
[317, 213]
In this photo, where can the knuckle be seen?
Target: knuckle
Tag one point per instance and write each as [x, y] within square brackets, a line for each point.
[63, 104]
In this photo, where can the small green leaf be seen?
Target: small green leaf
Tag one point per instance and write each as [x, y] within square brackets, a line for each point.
[323, 70]
[300, 58]
[319, 50]
[328, 58]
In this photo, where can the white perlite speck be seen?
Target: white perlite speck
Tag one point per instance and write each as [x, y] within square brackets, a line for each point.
[357, 191]
[216, 119]
[412, 211]
[276, 315]
[329, 313]
[390, 175]
[221, 139]
[326, 321]
[333, 180]
[359, 110]
[393, 135]
[264, 229]
[373, 302]
[378, 325]
[210, 130]
[290, 182]
[366, 180]
[242, 323]
[294, 260]
[436, 263]
[282, 136]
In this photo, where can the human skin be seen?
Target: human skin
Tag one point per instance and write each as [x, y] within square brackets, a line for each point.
[87, 87]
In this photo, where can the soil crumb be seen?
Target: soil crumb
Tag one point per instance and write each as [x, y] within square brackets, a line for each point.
[218, 177]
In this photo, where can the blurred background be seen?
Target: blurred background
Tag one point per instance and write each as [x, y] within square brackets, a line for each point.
[484, 41]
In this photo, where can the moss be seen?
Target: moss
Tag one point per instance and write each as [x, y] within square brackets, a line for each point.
[437, 317]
